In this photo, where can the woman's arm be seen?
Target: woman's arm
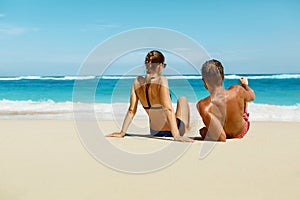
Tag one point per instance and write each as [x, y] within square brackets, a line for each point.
[131, 110]
[129, 115]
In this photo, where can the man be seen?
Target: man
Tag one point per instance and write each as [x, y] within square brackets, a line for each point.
[224, 111]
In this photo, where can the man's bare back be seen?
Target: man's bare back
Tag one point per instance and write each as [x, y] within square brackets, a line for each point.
[235, 101]
[224, 111]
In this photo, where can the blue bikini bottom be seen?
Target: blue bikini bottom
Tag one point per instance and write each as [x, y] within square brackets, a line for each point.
[166, 133]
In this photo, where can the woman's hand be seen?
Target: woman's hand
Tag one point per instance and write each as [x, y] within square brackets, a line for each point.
[183, 139]
[116, 134]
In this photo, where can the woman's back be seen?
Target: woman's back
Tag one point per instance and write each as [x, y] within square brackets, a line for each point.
[152, 97]
[148, 93]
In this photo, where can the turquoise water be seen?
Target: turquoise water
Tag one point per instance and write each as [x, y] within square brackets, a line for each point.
[273, 89]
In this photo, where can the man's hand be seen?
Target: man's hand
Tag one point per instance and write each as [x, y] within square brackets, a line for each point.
[116, 134]
[203, 132]
[244, 81]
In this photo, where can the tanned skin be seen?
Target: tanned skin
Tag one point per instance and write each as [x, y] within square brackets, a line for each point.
[222, 111]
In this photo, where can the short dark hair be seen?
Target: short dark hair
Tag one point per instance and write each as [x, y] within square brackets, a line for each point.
[213, 72]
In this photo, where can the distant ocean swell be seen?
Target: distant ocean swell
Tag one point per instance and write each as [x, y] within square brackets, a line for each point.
[61, 78]
[230, 76]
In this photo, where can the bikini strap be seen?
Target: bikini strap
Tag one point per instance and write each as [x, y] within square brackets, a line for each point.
[148, 100]
[147, 96]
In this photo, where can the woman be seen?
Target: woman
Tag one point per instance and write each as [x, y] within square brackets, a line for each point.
[153, 93]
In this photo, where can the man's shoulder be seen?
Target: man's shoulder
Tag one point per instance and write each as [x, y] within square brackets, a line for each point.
[203, 106]
[203, 102]
[237, 91]
[236, 88]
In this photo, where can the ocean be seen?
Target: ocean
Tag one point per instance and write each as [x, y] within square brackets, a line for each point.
[51, 97]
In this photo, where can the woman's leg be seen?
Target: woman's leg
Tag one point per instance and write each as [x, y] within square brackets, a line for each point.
[183, 113]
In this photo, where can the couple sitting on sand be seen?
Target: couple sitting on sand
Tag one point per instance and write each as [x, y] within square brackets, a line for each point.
[223, 112]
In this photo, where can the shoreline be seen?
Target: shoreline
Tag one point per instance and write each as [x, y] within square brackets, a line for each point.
[105, 111]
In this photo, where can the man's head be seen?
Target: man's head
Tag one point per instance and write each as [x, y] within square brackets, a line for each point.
[212, 73]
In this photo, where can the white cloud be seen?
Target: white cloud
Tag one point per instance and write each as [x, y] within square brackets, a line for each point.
[99, 26]
[2, 15]
[12, 30]
[106, 26]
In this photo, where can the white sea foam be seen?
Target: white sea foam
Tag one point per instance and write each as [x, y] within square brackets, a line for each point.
[68, 78]
[65, 110]
[169, 77]
[271, 76]
[118, 77]
[19, 78]
[229, 76]
[185, 77]
[46, 78]
[265, 112]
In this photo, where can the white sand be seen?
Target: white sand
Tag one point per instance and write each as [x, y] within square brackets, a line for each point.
[44, 159]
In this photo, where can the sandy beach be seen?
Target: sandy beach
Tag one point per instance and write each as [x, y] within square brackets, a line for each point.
[44, 159]
[72, 71]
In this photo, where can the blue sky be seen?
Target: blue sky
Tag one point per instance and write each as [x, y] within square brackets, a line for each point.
[54, 37]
